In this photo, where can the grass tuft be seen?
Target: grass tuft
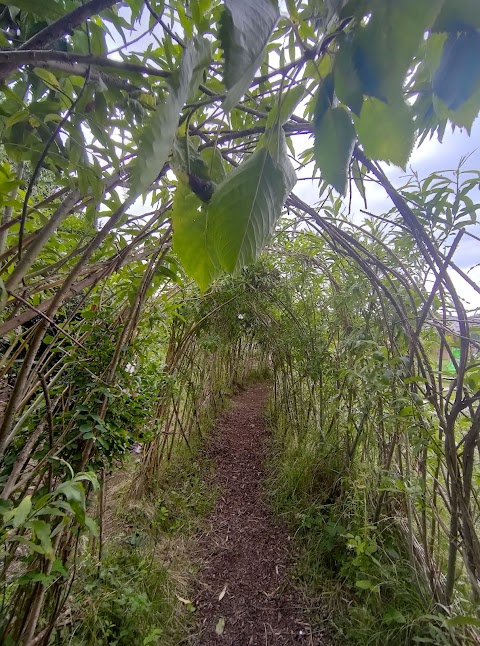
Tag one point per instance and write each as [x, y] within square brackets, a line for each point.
[139, 593]
[356, 575]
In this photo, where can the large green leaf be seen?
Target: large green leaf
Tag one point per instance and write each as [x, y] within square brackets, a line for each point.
[245, 30]
[43, 531]
[464, 116]
[159, 134]
[247, 204]
[458, 75]
[458, 15]
[386, 131]
[41, 8]
[334, 142]
[348, 86]
[189, 219]
[385, 47]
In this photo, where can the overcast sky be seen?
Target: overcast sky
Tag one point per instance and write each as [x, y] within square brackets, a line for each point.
[431, 156]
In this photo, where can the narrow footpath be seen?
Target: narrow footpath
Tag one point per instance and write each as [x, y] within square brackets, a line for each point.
[244, 594]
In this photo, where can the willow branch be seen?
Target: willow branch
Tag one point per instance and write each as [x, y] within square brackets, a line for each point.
[58, 29]
[34, 57]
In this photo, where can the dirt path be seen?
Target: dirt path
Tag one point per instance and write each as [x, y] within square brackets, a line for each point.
[243, 589]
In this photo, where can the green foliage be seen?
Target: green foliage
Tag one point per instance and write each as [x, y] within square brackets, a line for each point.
[102, 335]
[380, 58]
[246, 205]
[386, 132]
[158, 136]
[356, 449]
[231, 230]
[134, 595]
[130, 600]
[245, 31]
[334, 142]
[384, 47]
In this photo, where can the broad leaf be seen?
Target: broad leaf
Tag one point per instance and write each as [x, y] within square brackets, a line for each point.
[215, 164]
[21, 513]
[458, 75]
[246, 28]
[334, 142]
[283, 109]
[159, 134]
[191, 168]
[189, 220]
[41, 8]
[386, 131]
[384, 48]
[458, 15]
[274, 141]
[42, 531]
[464, 116]
[245, 207]
[348, 86]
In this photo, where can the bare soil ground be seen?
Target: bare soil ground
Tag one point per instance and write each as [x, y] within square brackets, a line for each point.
[244, 594]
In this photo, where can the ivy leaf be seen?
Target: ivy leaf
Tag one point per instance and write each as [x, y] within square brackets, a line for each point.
[246, 27]
[386, 131]
[246, 206]
[333, 148]
[159, 134]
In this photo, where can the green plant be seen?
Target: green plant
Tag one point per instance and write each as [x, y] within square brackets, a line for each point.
[138, 593]
[127, 168]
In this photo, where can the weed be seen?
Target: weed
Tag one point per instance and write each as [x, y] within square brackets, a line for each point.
[138, 594]
[357, 570]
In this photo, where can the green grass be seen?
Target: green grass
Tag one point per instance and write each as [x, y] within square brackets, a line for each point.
[139, 594]
[356, 575]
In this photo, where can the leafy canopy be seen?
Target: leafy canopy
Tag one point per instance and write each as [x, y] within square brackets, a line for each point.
[107, 93]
